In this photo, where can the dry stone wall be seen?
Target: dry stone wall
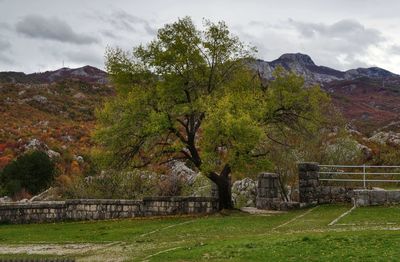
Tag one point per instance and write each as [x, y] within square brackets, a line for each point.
[364, 197]
[98, 209]
[313, 191]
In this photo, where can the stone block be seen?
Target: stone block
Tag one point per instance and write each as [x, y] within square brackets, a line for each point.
[393, 197]
[377, 197]
[361, 198]
[325, 191]
[289, 206]
[310, 166]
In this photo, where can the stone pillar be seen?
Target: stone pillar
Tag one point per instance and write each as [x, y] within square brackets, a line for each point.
[268, 191]
[214, 190]
[309, 185]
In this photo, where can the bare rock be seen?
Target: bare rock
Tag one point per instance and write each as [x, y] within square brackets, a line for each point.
[180, 170]
[79, 96]
[36, 144]
[389, 138]
[51, 194]
[40, 99]
[244, 192]
[5, 199]
[79, 159]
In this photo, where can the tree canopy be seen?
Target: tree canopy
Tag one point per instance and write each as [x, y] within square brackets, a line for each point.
[194, 95]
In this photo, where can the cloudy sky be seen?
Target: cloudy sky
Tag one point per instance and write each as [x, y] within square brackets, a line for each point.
[39, 35]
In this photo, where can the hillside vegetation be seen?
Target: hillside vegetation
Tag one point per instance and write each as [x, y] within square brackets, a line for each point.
[56, 117]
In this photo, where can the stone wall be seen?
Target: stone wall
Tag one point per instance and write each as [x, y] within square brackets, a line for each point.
[32, 212]
[335, 194]
[364, 197]
[314, 191]
[98, 209]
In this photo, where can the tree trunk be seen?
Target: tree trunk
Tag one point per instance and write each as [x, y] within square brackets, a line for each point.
[223, 182]
[225, 194]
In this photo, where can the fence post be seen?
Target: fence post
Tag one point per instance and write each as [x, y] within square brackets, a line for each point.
[364, 183]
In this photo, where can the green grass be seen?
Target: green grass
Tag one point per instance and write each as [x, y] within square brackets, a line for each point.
[366, 234]
[380, 215]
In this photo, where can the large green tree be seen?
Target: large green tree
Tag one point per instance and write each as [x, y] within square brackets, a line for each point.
[193, 95]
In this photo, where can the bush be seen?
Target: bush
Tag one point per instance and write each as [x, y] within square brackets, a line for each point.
[30, 173]
[201, 187]
[130, 185]
[112, 185]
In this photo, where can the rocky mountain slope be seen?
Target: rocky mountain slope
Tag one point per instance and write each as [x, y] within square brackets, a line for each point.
[55, 109]
[88, 74]
[303, 65]
[369, 98]
[52, 110]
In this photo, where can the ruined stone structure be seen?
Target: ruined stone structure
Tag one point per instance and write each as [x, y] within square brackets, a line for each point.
[309, 186]
[269, 193]
[98, 209]
[313, 191]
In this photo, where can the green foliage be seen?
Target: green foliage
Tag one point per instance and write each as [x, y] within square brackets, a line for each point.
[201, 187]
[191, 94]
[33, 172]
[126, 185]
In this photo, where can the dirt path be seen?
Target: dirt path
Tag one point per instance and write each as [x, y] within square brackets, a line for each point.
[52, 249]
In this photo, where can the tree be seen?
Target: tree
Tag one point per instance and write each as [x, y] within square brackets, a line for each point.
[192, 95]
[32, 172]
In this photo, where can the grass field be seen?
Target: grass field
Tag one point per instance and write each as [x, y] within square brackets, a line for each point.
[365, 234]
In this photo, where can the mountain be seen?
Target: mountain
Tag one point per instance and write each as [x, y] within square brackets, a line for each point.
[369, 98]
[303, 65]
[87, 74]
[53, 110]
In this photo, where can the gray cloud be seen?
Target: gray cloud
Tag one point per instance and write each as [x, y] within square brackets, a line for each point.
[84, 57]
[120, 20]
[35, 26]
[5, 47]
[109, 34]
[4, 26]
[344, 44]
[5, 59]
[319, 28]
[125, 19]
[4, 44]
[395, 49]
[348, 30]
